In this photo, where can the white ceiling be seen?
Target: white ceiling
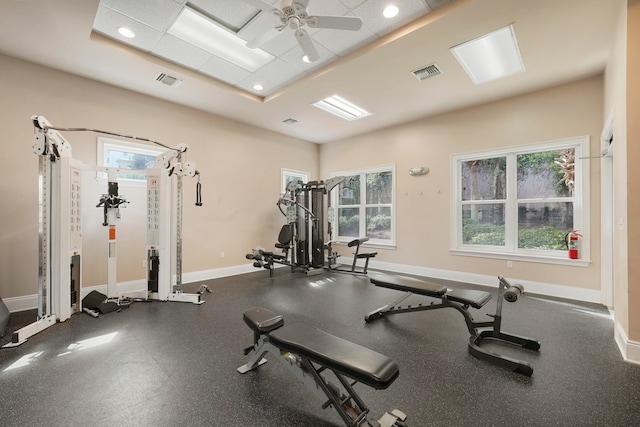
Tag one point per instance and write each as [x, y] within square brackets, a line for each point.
[150, 20]
[560, 41]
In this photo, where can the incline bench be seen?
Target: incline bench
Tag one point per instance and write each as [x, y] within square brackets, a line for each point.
[460, 300]
[307, 352]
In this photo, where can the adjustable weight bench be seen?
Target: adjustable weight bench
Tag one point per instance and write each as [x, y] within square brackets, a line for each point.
[460, 300]
[309, 353]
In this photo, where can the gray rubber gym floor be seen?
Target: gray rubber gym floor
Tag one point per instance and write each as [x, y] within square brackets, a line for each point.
[174, 364]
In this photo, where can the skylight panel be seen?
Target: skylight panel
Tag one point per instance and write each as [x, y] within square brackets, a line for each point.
[341, 107]
[490, 57]
[198, 30]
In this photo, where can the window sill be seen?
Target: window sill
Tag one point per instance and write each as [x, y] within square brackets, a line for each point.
[524, 258]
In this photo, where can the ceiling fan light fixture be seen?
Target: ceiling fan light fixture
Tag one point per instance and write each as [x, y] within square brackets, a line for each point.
[200, 31]
[342, 108]
[391, 11]
[490, 57]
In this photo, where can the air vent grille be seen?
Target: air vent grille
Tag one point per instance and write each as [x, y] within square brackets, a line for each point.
[290, 121]
[169, 80]
[424, 73]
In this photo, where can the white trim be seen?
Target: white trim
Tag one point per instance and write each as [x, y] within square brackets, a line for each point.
[543, 259]
[29, 302]
[580, 199]
[607, 216]
[531, 287]
[284, 172]
[216, 273]
[363, 203]
[102, 142]
[630, 350]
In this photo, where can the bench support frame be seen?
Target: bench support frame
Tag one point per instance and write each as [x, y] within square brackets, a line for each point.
[479, 330]
[348, 404]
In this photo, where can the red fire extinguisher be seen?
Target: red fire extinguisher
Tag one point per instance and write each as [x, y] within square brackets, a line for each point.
[571, 239]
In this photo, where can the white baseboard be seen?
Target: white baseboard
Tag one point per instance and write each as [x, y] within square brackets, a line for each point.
[216, 273]
[531, 287]
[630, 350]
[30, 302]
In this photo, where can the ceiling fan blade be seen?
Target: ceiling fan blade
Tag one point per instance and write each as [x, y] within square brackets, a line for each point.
[351, 23]
[262, 5]
[305, 42]
[264, 38]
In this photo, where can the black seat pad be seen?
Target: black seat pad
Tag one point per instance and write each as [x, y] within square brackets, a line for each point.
[262, 320]
[350, 359]
[407, 284]
[475, 299]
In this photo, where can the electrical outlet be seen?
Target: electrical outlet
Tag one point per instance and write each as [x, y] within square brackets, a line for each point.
[144, 263]
[221, 254]
[509, 264]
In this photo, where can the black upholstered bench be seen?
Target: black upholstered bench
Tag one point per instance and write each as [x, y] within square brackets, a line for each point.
[309, 353]
[460, 300]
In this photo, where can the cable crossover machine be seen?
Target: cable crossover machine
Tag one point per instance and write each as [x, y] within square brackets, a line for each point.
[60, 226]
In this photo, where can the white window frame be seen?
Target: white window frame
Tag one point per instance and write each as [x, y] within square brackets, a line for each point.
[363, 205]
[285, 173]
[581, 204]
[109, 143]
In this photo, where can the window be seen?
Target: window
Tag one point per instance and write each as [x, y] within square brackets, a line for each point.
[365, 203]
[289, 175]
[523, 201]
[126, 155]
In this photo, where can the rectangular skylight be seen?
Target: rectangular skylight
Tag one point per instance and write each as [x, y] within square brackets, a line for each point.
[490, 57]
[341, 108]
[200, 31]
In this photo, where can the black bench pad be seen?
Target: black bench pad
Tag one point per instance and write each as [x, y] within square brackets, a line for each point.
[262, 320]
[475, 299]
[407, 284]
[345, 357]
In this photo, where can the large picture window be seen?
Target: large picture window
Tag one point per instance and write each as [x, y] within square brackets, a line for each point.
[522, 201]
[365, 205]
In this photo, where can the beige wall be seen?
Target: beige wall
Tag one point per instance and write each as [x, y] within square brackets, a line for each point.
[633, 172]
[423, 203]
[240, 167]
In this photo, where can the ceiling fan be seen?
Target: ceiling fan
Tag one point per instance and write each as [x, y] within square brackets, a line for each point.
[293, 14]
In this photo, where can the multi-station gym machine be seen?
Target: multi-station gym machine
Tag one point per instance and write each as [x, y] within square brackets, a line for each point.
[302, 238]
[60, 226]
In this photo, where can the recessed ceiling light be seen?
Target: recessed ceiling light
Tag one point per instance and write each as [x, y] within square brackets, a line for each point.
[491, 56]
[258, 86]
[341, 108]
[390, 11]
[305, 58]
[126, 32]
[200, 31]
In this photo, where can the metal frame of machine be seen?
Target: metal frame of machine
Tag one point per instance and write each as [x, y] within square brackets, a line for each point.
[60, 226]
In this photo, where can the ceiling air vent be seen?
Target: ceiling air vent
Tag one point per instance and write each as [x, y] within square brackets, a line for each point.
[169, 80]
[290, 121]
[425, 72]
